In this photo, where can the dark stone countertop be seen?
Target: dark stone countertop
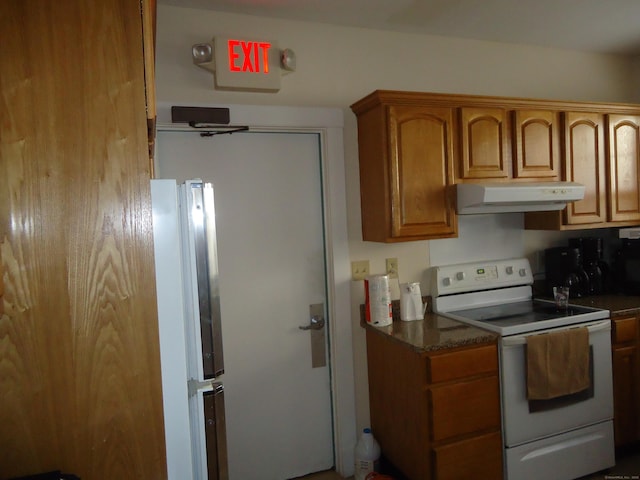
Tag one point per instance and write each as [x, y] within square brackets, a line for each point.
[617, 304]
[434, 332]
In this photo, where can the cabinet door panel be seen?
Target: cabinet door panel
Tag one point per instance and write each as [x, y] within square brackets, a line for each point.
[480, 455]
[464, 407]
[625, 329]
[625, 376]
[536, 152]
[585, 163]
[485, 143]
[624, 159]
[79, 353]
[421, 163]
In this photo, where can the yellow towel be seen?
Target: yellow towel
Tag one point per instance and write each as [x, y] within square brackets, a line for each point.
[557, 363]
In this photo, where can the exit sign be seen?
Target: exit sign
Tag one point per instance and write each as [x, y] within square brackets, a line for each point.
[247, 64]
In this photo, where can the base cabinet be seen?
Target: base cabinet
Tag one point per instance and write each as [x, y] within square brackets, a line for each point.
[436, 415]
[626, 379]
[481, 455]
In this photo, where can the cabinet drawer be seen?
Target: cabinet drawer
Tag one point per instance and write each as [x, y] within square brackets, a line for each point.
[464, 407]
[625, 330]
[479, 458]
[461, 364]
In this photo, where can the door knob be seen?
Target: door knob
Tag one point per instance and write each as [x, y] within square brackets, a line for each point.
[316, 323]
[317, 335]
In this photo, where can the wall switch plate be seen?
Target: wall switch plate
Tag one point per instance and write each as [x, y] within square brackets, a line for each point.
[359, 270]
[392, 267]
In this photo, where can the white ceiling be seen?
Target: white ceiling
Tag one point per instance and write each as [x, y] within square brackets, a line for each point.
[602, 26]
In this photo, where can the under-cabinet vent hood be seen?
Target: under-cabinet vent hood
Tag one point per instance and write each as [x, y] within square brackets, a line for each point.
[516, 197]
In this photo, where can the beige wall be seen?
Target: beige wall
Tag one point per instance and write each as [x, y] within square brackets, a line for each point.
[337, 66]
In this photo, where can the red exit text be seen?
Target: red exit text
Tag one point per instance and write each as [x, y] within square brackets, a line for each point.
[245, 56]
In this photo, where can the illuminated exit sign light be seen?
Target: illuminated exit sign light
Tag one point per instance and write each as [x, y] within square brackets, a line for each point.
[244, 64]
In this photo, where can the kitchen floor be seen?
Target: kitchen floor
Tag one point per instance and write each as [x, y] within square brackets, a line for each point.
[327, 475]
[627, 468]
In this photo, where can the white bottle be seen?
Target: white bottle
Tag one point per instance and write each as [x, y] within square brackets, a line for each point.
[367, 454]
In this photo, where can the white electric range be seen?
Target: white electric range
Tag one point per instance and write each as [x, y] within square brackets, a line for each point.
[562, 438]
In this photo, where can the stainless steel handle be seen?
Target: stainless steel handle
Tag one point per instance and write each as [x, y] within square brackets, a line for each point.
[522, 339]
[201, 214]
[316, 323]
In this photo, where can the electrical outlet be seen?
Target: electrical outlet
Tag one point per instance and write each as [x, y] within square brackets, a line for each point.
[392, 267]
[359, 270]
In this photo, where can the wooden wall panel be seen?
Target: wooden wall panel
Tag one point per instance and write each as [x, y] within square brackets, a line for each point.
[79, 357]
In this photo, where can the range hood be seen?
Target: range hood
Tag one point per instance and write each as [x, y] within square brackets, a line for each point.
[476, 198]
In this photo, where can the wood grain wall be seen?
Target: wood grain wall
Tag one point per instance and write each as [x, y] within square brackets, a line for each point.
[80, 383]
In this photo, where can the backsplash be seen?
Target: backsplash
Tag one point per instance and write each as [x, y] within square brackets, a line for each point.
[481, 237]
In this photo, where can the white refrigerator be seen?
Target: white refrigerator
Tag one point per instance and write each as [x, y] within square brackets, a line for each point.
[190, 329]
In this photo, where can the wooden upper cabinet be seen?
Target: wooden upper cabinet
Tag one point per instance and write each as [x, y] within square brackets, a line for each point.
[487, 152]
[406, 171]
[536, 152]
[605, 158]
[584, 156]
[414, 147]
[421, 158]
[485, 148]
[624, 167]
[149, 11]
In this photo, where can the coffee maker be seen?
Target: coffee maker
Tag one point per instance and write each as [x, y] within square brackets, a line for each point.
[593, 263]
[563, 267]
[591, 249]
[627, 267]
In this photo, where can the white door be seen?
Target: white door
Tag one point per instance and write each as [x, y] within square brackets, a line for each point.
[271, 252]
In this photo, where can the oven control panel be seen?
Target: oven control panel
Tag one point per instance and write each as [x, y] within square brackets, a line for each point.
[471, 277]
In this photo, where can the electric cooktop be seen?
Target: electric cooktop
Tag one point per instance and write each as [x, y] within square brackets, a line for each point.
[530, 315]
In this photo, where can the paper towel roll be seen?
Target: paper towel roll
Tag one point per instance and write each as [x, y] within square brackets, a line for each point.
[378, 300]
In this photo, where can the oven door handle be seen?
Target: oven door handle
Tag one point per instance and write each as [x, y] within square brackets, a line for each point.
[522, 339]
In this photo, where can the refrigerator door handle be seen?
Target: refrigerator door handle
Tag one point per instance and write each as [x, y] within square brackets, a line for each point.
[202, 213]
[216, 433]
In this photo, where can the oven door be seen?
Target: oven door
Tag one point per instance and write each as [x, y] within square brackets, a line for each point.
[525, 422]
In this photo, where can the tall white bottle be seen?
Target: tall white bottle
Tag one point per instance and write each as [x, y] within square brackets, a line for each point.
[367, 454]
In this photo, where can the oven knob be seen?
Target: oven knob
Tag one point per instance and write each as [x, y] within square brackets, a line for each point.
[460, 276]
[523, 272]
[509, 270]
[446, 281]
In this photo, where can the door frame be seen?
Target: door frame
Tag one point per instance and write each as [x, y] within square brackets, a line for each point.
[328, 124]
